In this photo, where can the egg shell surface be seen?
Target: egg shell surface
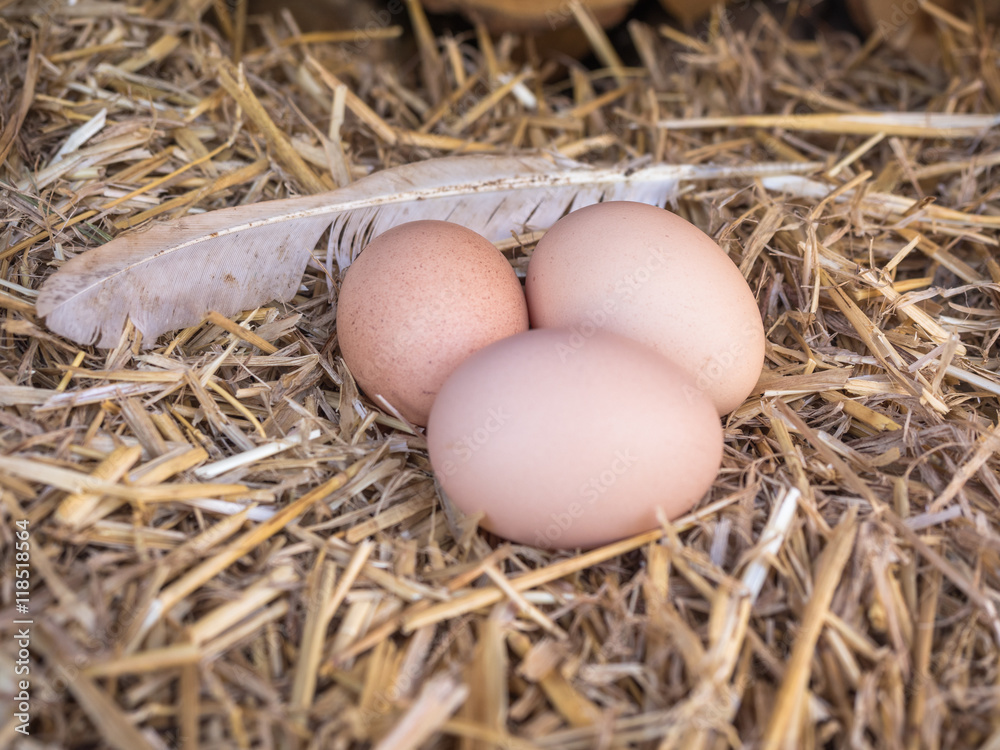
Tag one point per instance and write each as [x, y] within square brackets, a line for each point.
[419, 299]
[568, 441]
[648, 274]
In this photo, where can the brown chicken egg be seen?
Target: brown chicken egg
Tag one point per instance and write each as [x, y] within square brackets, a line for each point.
[563, 440]
[646, 273]
[418, 300]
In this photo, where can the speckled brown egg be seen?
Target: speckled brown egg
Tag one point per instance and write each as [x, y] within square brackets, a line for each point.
[418, 300]
[646, 273]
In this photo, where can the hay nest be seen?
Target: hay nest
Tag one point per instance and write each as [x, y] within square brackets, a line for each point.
[227, 550]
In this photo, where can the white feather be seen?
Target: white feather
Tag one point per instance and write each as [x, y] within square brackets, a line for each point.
[172, 274]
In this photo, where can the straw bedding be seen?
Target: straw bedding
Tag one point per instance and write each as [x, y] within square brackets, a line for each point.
[230, 548]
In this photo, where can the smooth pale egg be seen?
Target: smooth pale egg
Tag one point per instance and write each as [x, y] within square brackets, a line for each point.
[418, 300]
[646, 273]
[565, 440]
